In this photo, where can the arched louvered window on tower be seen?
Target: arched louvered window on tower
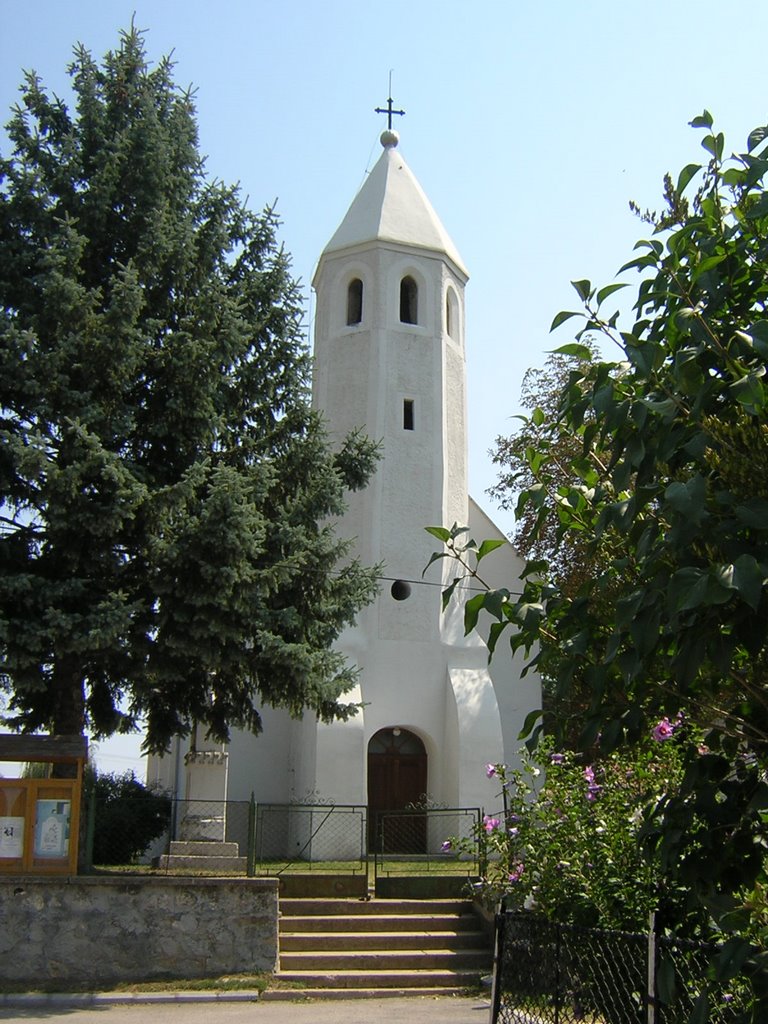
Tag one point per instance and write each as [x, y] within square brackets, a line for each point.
[409, 301]
[355, 301]
[451, 314]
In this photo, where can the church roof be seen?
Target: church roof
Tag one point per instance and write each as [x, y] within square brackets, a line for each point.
[391, 206]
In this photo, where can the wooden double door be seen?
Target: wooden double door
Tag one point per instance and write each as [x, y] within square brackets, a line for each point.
[397, 781]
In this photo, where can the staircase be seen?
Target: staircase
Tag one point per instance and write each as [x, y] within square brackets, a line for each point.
[345, 949]
[203, 854]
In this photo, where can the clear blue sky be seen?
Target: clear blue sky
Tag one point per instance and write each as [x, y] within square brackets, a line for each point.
[529, 125]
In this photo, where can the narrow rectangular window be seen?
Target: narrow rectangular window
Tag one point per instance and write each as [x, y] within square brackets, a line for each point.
[408, 414]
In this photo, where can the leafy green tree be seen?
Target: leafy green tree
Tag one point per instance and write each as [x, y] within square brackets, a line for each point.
[673, 477]
[166, 538]
[536, 474]
[536, 459]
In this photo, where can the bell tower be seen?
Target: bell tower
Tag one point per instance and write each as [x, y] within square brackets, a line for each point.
[390, 361]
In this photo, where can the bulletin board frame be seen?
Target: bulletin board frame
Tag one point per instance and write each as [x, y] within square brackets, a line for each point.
[40, 818]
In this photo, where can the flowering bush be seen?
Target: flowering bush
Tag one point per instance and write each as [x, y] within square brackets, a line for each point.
[565, 840]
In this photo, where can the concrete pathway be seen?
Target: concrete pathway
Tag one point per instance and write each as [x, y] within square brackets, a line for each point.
[185, 1010]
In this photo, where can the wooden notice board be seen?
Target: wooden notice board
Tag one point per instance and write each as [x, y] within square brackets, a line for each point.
[40, 818]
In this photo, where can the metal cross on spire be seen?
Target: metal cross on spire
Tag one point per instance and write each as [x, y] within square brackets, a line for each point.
[388, 109]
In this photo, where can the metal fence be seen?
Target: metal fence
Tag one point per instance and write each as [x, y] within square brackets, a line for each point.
[199, 836]
[310, 837]
[181, 835]
[416, 841]
[550, 973]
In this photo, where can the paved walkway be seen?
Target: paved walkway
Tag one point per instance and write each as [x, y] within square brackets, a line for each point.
[189, 1008]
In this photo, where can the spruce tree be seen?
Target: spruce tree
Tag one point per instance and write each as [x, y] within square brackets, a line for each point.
[166, 529]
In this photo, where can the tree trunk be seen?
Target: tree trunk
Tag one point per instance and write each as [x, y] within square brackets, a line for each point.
[68, 717]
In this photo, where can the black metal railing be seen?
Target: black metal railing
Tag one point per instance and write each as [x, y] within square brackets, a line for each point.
[551, 973]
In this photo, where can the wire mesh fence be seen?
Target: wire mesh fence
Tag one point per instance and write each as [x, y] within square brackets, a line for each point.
[550, 973]
[411, 841]
[199, 836]
[310, 837]
[174, 835]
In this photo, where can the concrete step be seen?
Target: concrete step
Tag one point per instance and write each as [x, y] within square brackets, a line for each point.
[292, 994]
[350, 948]
[323, 942]
[203, 848]
[385, 960]
[167, 862]
[378, 922]
[404, 980]
[329, 907]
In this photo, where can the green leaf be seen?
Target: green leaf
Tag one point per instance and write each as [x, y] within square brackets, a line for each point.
[759, 334]
[497, 628]
[749, 579]
[495, 602]
[609, 290]
[757, 208]
[538, 417]
[472, 610]
[434, 557]
[447, 594]
[440, 532]
[732, 957]
[583, 289]
[756, 136]
[714, 145]
[687, 589]
[573, 348]
[530, 720]
[688, 499]
[707, 264]
[704, 120]
[753, 513]
[665, 981]
[749, 392]
[685, 176]
[700, 1012]
[488, 546]
[561, 317]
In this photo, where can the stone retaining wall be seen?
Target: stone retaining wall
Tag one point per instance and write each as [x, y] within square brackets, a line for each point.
[102, 930]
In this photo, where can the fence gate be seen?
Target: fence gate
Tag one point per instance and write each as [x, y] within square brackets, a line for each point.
[412, 858]
[314, 849]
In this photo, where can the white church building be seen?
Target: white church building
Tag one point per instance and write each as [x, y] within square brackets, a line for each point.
[390, 360]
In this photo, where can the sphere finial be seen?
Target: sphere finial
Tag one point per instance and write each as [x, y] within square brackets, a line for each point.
[389, 138]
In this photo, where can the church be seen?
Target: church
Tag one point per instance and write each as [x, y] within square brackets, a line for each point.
[390, 361]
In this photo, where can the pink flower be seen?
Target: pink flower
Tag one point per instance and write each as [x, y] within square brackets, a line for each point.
[516, 873]
[663, 731]
[593, 788]
[490, 824]
[490, 771]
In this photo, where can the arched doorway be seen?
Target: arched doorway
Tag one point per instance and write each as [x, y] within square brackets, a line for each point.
[397, 780]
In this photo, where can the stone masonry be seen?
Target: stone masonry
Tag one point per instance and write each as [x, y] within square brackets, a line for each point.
[102, 930]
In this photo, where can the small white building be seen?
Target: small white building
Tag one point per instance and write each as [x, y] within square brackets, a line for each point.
[389, 350]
